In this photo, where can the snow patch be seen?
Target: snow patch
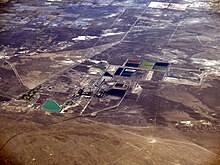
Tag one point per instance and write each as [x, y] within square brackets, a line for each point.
[211, 66]
[54, 0]
[82, 38]
[111, 15]
[68, 61]
[159, 5]
[112, 34]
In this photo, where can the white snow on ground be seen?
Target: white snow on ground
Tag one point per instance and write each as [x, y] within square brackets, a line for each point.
[54, 0]
[112, 34]
[211, 66]
[68, 61]
[137, 89]
[111, 15]
[191, 21]
[180, 81]
[201, 5]
[175, 61]
[159, 5]
[94, 61]
[165, 5]
[149, 75]
[176, 6]
[81, 38]
[4, 57]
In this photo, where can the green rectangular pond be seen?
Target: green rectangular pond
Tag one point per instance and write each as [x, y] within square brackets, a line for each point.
[51, 105]
[147, 64]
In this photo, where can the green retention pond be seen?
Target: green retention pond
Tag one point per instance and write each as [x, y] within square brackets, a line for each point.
[147, 64]
[51, 105]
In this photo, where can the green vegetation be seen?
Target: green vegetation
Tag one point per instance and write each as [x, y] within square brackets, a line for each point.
[51, 105]
[147, 64]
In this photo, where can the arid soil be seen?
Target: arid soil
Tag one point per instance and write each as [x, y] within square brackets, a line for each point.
[82, 142]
